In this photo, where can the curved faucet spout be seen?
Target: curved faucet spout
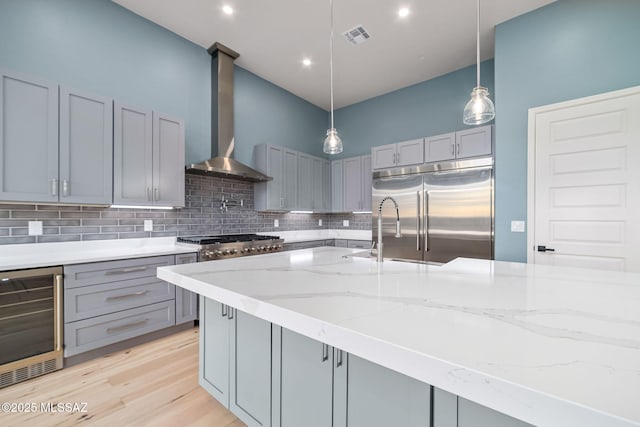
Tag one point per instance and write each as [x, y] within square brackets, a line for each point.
[398, 233]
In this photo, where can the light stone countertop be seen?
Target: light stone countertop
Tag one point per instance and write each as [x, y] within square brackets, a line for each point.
[15, 257]
[550, 346]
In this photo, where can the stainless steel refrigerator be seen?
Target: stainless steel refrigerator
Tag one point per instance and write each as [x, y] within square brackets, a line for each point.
[446, 210]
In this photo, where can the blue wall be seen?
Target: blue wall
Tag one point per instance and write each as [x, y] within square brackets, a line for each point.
[567, 50]
[429, 108]
[98, 46]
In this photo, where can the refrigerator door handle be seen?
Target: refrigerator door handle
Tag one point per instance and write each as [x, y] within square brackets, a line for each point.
[426, 221]
[418, 222]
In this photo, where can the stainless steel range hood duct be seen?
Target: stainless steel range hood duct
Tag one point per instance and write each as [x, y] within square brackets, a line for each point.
[222, 133]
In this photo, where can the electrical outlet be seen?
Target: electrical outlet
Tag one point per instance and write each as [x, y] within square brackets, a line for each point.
[276, 223]
[345, 223]
[319, 223]
[517, 226]
[35, 228]
[148, 225]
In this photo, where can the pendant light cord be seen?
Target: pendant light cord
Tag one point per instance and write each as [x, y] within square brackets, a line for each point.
[477, 43]
[331, 59]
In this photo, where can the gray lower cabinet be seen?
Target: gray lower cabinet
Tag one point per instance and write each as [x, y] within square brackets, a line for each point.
[341, 243]
[303, 381]
[111, 301]
[359, 244]
[186, 301]
[304, 245]
[235, 361]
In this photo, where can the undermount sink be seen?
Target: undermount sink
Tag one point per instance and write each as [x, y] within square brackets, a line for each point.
[372, 256]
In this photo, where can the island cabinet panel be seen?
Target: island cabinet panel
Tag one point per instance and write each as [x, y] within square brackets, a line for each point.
[304, 387]
[215, 339]
[250, 368]
[377, 397]
[186, 301]
[471, 414]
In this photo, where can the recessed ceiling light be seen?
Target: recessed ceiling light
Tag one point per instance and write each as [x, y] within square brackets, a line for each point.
[403, 12]
[306, 62]
[228, 10]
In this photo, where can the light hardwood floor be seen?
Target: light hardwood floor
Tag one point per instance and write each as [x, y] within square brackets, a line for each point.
[153, 384]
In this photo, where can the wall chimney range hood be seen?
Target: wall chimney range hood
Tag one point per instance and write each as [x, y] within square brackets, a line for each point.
[222, 134]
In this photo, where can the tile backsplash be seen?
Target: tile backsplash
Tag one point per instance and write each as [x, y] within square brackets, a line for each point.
[205, 213]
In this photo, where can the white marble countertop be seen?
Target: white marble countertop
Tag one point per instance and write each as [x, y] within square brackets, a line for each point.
[550, 346]
[14, 257]
[310, 235]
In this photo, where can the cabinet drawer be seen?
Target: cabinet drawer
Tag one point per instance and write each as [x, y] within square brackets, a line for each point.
[341, 243]
[90, 301]
[85, 335]
[359, 244]
[113, 271]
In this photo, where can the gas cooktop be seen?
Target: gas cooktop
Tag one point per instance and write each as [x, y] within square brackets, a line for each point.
[224, 238]
[233, 245]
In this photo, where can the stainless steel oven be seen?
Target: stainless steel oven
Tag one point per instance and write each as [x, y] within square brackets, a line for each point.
[30, 323]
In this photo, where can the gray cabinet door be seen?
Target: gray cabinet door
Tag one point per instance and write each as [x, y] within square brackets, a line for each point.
[471, 414]
[168, 161]
[28, 139]
[214, 349]
[317, 197]
[305, 196]
[440, 147]
[474, 142]
[306, 382]
[445, 409]
[353, 184]
[269, 159]
[410, 152]
[337, 186]
[366, 183]
[384, 156]
[86, 148]
[290, 180]
[132, 156]
[377, 396]
[250, 368]
[326, 186]
[186, 301]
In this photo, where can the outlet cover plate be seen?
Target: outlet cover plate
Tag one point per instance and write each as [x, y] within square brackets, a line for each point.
[35, 228]
[148, 225]
[517, 226]
[319, 223]
[276, 223]
[345, 222]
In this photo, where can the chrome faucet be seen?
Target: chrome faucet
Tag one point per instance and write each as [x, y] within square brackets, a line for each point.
[398, 234]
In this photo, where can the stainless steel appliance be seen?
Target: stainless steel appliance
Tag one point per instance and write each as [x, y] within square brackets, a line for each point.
[30, 323]
[446, 210]
[233, 245]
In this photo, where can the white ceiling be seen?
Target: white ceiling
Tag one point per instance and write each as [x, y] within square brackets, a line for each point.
[272, 38]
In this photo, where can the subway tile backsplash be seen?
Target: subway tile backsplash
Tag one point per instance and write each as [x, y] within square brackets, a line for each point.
[205, 213]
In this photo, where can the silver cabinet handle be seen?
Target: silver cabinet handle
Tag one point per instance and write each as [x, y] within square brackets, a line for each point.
[453, 149]
[127, 326]
[156, 194]
[339, 359]
[65, 187]
[59, 296]
[54, 187]
[325, 352]
[149, 193]
[125, 296]
[457, 149]
[231, 309]
[125, 270]
[224, 310]
[398, 158]
[418, 222]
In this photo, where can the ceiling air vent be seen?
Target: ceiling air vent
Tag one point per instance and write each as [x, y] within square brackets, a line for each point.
[357, 35]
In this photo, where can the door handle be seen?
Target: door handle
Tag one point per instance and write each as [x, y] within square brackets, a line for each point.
[156, 194]
[339, 358]
[418, 221]
[426, 221]
[325, 352]
[65, 187]
[453, 149]
[398, 158]
[54, 187]
[457, 149]
[231, 313]
[224, 310]
[542, 248]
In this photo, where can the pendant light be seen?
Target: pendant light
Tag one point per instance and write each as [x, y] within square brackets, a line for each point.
[480, 108]
[332, 143]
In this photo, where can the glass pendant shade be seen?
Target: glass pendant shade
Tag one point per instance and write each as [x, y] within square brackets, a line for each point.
[480, 108]
[332, 143]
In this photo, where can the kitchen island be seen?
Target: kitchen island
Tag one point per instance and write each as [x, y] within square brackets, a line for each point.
[549, 346]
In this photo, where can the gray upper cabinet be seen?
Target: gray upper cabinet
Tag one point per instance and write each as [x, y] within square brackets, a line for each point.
[317, 184]
[148, 158]
[305, 182]
[337, 186]
[132, 155]
[280, 163]
[168, 160]
[440, 147]
[357, 184]
[28, 126]
[326, 186]
[404, 153]
[473, 142]
[86, 148]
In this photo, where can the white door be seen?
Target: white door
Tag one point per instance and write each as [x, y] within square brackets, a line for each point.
[584, 182]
